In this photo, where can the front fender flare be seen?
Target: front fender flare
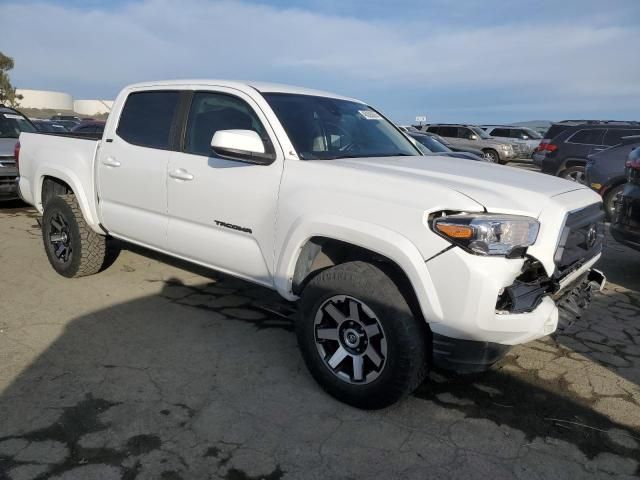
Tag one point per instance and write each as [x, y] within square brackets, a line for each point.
[376, 238]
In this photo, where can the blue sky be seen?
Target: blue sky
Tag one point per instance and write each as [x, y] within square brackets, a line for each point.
[464, 60]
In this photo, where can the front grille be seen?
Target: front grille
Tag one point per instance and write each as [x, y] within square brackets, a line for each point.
[581, 237]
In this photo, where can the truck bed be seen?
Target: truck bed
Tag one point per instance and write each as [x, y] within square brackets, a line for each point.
[69, 157]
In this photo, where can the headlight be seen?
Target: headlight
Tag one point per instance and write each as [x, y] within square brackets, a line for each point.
[488, 234]
[506, 148]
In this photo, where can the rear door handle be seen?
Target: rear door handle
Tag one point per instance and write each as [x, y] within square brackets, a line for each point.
[181, 174]
[110, 162]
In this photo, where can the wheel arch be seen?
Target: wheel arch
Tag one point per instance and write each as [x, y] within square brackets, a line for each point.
[53, 182]
[315, 246]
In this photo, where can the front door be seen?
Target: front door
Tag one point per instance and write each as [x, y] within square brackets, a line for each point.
[222, 212]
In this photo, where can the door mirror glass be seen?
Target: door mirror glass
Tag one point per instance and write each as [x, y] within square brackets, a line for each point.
[525, 137]
[243, 145]
[473, 136]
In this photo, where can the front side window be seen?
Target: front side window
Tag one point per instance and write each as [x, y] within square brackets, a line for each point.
[448, 132]
[147, 118]
[500, 132]
[323, 128]
[481, 133]
[591, 136]
[211, 112]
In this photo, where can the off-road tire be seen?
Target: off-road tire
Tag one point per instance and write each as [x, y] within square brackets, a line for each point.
[406, 335]
[86, 246]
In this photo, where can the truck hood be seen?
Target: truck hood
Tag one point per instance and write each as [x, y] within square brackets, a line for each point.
[498, 188]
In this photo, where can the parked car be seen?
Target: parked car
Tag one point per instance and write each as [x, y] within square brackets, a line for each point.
[65, 118]
[47, 126]
[455, 148]
[605, 171]
[95, 126]
[67, 124]
[566, 155]
[526, 140]
[557, 128]
[12, 123]
[397, 262]
[625, 227]
[434, 147]
[474, 137]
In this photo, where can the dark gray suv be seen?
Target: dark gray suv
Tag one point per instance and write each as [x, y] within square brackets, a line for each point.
[566, 155]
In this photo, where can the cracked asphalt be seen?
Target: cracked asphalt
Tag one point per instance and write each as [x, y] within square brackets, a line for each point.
[154, 369]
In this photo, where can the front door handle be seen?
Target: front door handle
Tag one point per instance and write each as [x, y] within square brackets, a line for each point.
[181, 174]
[110, 162]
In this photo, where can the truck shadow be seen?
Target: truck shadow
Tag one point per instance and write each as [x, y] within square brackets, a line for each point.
[182, 382]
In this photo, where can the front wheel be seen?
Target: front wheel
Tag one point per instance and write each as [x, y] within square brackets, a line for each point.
[609, 201]
[73, 248]
[359, 337]
[574, 174]
[491, 155]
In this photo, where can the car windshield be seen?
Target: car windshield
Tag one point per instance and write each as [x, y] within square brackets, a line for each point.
[11, 124]
[481, 133]
[431, 143]
[323, 128]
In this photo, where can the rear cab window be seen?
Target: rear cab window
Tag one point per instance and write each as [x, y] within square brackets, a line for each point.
[148, 118]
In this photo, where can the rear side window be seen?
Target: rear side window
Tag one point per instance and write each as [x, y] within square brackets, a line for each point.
[592, 136]
[555, 130]
[614, 135]
[147, 118]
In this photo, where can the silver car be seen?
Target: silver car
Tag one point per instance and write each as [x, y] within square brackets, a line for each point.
[470, 136]
[525, 140]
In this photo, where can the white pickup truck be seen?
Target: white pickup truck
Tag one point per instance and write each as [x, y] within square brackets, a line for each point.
[400, 261]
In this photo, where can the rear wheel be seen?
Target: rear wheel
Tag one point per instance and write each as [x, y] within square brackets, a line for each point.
[575, 174]
[359, 337]
[73, 248]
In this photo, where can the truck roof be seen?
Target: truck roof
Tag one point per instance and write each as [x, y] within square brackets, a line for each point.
[262, 87]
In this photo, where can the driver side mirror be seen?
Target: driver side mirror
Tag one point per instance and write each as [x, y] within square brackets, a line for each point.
[241, 145]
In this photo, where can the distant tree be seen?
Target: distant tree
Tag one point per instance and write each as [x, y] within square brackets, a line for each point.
[7, 91]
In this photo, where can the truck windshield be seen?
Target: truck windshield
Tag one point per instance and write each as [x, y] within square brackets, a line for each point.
[323, 128]
[12, 124]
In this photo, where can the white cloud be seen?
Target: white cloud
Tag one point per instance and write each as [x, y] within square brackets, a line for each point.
[104, 49]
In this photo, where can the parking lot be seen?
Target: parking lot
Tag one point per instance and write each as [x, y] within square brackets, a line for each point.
[154, 369]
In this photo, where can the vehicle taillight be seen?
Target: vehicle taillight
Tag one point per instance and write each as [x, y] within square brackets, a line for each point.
[633, 164]
[545, 146]
[16, 154]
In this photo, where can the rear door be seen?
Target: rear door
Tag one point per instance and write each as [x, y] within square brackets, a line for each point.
[222, 212]
[132, 168]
